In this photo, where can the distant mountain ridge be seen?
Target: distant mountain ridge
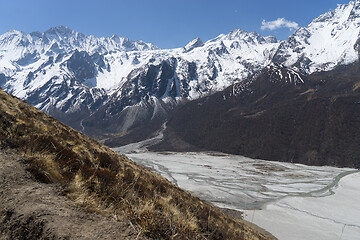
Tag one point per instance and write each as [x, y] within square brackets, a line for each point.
[91, 82]
[73, 76]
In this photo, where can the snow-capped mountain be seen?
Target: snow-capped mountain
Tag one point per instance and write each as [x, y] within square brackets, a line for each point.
[61, 68]
[163, 78]
[328, 41]
[65, 72]
[90, 82]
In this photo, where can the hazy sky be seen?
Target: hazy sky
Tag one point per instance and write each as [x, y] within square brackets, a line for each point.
[166, 23]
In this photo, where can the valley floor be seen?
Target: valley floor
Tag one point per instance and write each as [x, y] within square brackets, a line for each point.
[336, 216]
[291, 201]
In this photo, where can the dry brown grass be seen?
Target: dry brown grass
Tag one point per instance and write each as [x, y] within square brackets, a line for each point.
[101, 180]
[356, 86]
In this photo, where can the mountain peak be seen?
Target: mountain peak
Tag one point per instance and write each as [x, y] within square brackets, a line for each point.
[17, 32]
[237, 34]
[249, 37]
[64, 33]
[271, 39]
[343, 13]
[193, 44]
[13, 38]
[13, 33]
[328, 41]
[59, 30]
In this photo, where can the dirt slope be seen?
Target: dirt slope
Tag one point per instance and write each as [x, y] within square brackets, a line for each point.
[33, 210]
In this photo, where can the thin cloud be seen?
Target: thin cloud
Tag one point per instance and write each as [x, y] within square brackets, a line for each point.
[279, 23]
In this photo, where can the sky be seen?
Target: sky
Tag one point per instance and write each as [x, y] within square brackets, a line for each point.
[166, 23]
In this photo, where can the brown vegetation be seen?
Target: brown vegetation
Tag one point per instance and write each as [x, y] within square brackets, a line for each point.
[103, 181]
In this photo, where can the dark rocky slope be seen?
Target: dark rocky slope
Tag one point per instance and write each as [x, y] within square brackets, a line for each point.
[278, 115]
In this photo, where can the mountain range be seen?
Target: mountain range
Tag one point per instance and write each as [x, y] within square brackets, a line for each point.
[111, 87]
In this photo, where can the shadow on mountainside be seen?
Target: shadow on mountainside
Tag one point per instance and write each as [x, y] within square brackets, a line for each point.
[312, 119]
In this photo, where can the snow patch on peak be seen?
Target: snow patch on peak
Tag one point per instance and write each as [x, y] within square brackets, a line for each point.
[61, 30]
[193, 44]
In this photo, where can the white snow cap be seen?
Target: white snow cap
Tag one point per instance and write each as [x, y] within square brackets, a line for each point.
[328, 41]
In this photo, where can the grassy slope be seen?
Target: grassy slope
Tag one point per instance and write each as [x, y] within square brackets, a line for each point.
[102, 180]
